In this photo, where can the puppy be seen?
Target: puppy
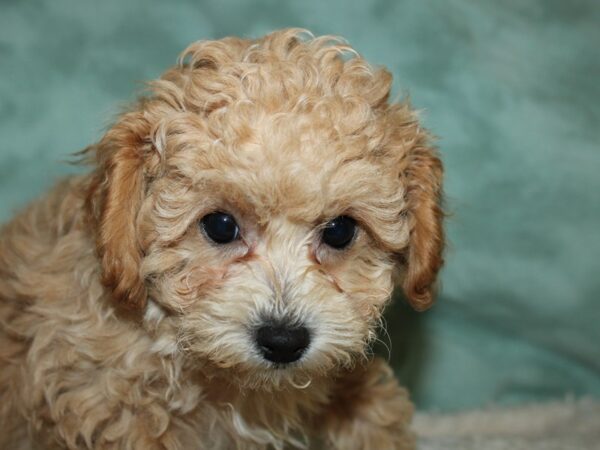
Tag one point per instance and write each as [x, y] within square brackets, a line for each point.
[216, 279]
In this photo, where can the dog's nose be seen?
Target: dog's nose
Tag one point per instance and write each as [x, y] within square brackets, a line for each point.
[282, 344]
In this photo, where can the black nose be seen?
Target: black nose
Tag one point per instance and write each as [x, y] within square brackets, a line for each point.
[282, 344]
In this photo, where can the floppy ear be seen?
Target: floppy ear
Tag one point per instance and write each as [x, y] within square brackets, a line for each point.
[113, 200]
[423, 257]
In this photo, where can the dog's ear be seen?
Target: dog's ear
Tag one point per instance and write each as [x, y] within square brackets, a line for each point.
[424, 256]
[114, 199]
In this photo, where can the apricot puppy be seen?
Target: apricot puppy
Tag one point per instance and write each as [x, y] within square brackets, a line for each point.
[215, 281]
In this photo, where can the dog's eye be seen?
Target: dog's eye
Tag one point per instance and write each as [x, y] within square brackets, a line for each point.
[220, 227]
[339, 232]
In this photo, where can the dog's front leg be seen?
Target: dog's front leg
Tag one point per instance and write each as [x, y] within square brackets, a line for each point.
[369, 411]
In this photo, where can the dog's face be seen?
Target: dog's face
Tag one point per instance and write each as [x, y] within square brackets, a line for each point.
[266, 196]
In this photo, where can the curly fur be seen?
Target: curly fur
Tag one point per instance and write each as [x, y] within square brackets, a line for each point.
[123, 327]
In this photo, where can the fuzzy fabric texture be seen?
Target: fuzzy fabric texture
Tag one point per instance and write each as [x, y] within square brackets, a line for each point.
[567, 425]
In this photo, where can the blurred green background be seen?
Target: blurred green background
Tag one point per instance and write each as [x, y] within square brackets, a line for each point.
[512, 89]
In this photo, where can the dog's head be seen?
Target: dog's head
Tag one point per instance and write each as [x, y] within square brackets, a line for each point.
[266, 196]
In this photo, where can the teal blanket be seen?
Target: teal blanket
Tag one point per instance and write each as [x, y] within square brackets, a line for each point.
[512, 89]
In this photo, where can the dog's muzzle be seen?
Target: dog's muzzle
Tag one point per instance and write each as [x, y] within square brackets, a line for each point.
[281, 343]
